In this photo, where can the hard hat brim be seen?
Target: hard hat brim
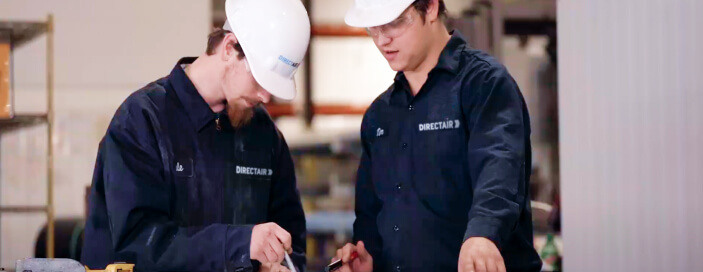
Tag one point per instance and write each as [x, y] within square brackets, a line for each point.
[369, 17]
[277, 85]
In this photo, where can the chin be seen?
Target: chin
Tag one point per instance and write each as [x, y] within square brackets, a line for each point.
[397, 67]
[239, 115]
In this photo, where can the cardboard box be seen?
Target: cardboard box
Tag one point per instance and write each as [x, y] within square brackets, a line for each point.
[5, 95]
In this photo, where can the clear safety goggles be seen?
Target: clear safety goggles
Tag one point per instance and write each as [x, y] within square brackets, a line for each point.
[393, 29]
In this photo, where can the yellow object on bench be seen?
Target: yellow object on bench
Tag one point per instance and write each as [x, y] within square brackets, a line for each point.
[118, 267]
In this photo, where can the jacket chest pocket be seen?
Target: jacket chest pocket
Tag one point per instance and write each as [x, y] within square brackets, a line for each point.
[384, 155]
[184, 207]
[248, 186]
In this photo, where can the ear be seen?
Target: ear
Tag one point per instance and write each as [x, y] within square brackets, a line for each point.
[227, 51]
[432, 11]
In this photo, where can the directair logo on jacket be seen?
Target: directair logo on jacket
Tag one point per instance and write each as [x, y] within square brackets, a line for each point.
[441, 125]
[253, 171]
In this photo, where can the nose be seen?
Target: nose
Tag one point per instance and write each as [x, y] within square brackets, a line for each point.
[264, 96]
[382, 40]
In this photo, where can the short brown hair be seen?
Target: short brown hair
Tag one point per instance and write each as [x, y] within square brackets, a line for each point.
[214, 40]
[422, 5]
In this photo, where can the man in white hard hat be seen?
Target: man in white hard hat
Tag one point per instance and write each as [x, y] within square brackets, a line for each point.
[192, 174]
[443, 183]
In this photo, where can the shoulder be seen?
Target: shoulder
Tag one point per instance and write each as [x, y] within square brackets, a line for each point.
[140, 106]
[482, 75]
[482, 67]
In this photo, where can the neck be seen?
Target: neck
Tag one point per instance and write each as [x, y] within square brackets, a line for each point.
[418, 76]
[205, 79]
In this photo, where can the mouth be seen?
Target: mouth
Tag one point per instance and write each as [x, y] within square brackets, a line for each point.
[390, 54]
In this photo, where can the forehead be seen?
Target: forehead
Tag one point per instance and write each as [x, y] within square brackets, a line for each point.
[405, 12]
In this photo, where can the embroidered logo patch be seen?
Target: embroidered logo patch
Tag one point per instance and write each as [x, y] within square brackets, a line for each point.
[441, 125]
[253, 171]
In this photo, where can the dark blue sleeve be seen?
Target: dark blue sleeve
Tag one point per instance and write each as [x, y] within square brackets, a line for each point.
[285, 208]
[138, 201]
[367, 207]
[496, 153]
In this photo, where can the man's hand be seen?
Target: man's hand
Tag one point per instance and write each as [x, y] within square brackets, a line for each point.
[269, 243]
[479, 254]
[273, 267]
[362, 263]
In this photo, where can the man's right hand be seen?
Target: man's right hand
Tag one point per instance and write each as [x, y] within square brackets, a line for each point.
[363, 263]
[269, 243]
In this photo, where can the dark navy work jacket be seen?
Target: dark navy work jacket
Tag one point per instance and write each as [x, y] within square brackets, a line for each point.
[447, 164]
[174, 191]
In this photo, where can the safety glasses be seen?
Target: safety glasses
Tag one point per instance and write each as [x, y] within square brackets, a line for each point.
[393, 29]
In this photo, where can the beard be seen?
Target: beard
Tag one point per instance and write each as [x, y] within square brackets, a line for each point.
[239, 116]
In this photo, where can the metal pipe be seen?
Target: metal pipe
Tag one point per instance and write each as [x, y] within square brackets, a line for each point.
[308, 104]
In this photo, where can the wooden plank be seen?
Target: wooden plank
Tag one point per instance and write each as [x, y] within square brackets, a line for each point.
[338, 30]
[22, 209]
[339, 110]
[20, 121]
[277, 110]
[5, 96]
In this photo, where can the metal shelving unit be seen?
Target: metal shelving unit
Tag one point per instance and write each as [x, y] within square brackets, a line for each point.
[21, 32]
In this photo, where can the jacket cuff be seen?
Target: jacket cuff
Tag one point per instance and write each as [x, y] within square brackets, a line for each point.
[237, 242]
[486, 227]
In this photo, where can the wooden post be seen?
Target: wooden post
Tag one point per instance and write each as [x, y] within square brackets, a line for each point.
[50, 136]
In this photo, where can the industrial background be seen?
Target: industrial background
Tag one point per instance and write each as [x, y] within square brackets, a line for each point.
[618, 158]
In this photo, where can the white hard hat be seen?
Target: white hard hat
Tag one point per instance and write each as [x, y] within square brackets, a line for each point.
[274, 35]
[370, 13]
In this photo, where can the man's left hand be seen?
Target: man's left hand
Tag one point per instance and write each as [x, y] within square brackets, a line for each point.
[479, 254]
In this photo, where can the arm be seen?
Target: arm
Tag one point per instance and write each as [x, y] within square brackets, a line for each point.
[285, 208]
[496, 150]
[368, 205]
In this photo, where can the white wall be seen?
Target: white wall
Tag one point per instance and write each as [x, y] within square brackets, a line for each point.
[104, 51]
[631, 121]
